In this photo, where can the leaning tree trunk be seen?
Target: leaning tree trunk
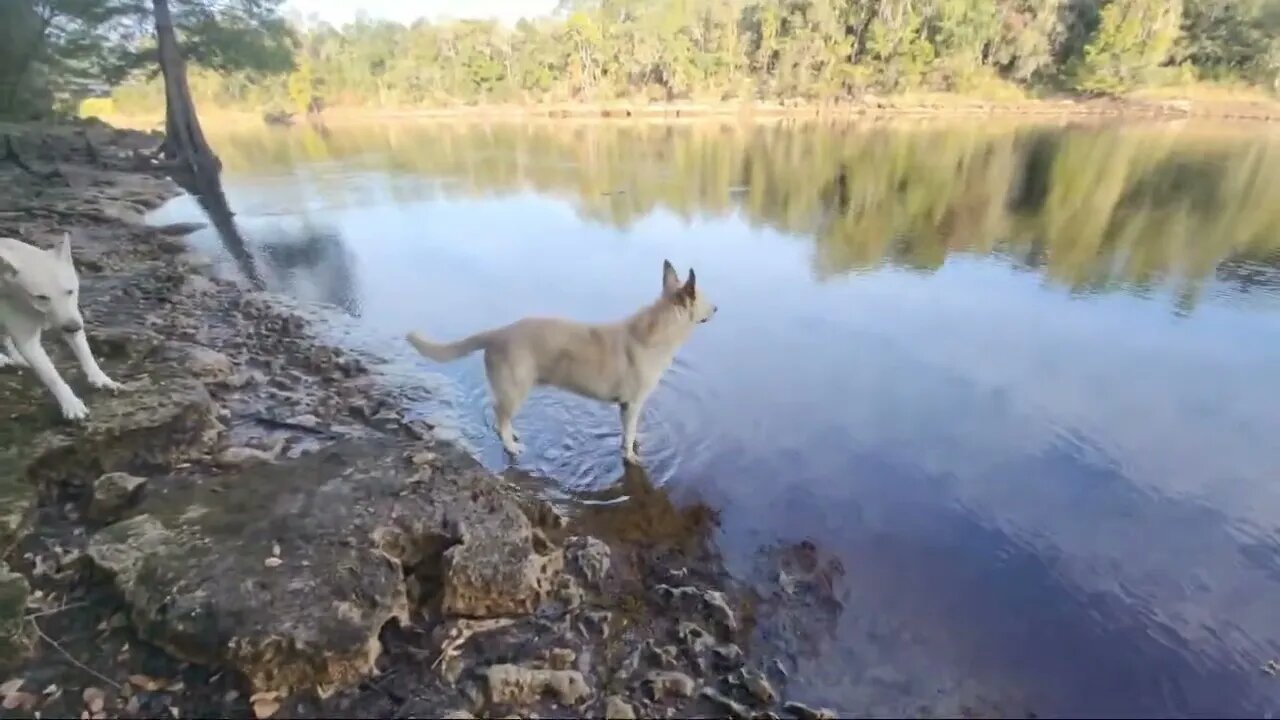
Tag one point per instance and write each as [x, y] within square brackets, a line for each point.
[184, 143]
[190, 160]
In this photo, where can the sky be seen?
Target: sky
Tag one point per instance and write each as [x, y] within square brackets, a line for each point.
[341, 11]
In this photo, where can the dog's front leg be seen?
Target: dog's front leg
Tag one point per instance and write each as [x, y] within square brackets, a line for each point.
[72, 407]
[80, 346]
[630, 412]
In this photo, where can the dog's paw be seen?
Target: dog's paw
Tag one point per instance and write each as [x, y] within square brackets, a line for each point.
[631, 458]
[514, 449]
[74, 409]
[12, 361]
[102, 382]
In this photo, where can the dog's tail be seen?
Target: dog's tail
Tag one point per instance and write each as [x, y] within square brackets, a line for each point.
[444, 352]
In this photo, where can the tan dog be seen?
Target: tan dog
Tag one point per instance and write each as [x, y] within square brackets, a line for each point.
[618, 363]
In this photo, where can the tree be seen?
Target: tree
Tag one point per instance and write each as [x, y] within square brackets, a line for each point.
[1134, 37]
[714, 49]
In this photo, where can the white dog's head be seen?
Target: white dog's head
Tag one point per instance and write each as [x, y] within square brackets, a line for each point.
[46, 280]
[686, 295]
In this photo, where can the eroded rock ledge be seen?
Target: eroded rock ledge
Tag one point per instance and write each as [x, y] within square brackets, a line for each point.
[288, 571]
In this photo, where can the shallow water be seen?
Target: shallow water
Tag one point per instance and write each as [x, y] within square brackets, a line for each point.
[1016, 386]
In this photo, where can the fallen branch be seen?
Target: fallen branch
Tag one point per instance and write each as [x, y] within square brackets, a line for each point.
[287, 425]
[54, 611]
[54, 644]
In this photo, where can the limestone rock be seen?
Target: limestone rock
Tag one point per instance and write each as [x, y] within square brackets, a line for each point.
[713, 602]
[112, 494]
[758, 685]
[204, 364]
[15, 634]
[319, 547]
[591, 557]
[17, 498]
[615, 708]
[516, 685]
[670, 684]
[804, 712]
[734, 708]
[155, 422]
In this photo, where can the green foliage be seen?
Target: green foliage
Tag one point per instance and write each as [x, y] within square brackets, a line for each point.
[1134, 37]
[1232, 39]
[58, 51]
[243, 54]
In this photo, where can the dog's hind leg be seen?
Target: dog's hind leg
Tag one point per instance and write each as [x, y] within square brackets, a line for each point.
[73, 408]
[505, 407]
[509, 392]
[11, 356]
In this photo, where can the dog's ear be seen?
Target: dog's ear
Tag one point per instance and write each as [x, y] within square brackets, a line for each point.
[670, 280]
[7, 270]
[64, 248]
[690, 286]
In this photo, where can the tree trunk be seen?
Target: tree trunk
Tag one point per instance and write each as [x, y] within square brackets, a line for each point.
[184, 141]
[192, 162]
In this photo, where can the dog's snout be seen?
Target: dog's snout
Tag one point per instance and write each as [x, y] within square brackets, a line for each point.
[71, 327]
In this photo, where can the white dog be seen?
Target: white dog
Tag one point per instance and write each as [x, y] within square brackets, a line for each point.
[39, 290]
[619, 363]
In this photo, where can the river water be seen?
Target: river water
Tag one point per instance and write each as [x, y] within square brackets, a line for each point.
[1012, 389]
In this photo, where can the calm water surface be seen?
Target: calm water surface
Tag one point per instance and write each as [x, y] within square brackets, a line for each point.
[1018, 387]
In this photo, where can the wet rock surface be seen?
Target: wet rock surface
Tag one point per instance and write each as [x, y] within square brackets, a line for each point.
[252, 527]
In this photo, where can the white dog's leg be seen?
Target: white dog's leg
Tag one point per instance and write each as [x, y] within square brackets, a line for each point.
[29, 348]
[13, 357]
[80, 346]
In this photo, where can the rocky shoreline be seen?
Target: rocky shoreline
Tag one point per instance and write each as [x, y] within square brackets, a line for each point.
[252, 528]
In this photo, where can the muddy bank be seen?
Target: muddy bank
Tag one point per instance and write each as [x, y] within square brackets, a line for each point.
[252, 527]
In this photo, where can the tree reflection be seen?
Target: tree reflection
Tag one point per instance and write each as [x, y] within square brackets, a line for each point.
[1093, 208]
[312, 263]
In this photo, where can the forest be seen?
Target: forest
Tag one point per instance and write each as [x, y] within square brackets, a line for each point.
[263, 58]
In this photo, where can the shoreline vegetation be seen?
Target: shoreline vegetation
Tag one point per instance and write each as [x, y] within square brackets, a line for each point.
[1232, 107]
[674, 59]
